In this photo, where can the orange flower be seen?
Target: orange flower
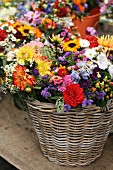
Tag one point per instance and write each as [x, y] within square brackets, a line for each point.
[21, 78]
[79, 3]
[48, 23]
[38, 33]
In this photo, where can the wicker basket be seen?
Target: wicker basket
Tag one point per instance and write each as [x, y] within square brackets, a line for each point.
[71, 138]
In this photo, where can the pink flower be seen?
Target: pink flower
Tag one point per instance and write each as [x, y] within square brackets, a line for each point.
[103, 8]
[61, 88]
[36, 44]
[56, 80]
[32, 15]
[67, 80]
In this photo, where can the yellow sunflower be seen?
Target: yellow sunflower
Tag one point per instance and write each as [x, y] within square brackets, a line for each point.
[71, 45]
[26, 29]
[44, 66]
[25, 53]
[106, 42]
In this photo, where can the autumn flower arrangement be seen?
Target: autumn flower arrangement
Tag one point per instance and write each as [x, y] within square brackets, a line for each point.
[68, 71]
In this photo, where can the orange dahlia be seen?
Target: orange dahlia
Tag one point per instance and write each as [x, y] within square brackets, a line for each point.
[21, 79]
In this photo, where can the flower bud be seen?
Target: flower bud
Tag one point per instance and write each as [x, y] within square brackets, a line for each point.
[28, 89]
[111, 95]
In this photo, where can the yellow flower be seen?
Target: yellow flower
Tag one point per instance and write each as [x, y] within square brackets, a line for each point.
[71, 45]
[25, 53]
[26, 29]
[44, 66]
[56, 39]
[106, 42]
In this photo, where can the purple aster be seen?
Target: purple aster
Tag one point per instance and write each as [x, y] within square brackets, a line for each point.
[35, 72]
[64, 63]
[67, 107]
[100, 95]
[45, 93]
[45, 77]
[51, 87]
[87, 102]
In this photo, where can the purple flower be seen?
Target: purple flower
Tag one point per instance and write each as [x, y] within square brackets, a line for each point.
[51, 87]
[63, 34]
[94, 75]
[87, 102]
[100, 95]
[67, 54]
[64, 63]
[60, 58]
[91, 31]
[35, 72]
[67, 107]
[85, 84]
[45, 77]
[45, 93]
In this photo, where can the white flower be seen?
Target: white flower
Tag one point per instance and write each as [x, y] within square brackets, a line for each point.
[3, 43]
[84, 43]
[13, 38]
[11, 54]
[111, 71]
[14, 31]
[7, 12]
[90, 53]
[10, 28]
[102, 61]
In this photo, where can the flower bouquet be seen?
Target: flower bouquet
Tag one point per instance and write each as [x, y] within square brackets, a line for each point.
[67, 85]
[64, 81]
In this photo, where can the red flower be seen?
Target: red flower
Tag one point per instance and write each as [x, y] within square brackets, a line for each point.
[93, 41]
[62, 10]
[63, 72]
[3, 35]
[21, 78]
[73, 95]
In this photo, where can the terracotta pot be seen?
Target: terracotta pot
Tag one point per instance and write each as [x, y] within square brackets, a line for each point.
[88, 21]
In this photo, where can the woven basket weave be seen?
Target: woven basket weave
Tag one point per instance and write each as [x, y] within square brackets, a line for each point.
[71, 138]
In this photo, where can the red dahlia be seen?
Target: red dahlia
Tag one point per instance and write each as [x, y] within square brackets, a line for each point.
[93, 41]
[63, 72]
[3, 35]
[73, 95]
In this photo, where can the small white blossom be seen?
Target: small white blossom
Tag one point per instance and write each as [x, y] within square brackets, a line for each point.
[84, 43]
[90, 53]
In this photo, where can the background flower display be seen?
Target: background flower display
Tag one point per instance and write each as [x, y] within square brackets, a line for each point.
[83, 13]
[64, 8]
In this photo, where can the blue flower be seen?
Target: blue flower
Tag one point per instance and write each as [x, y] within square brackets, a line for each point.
[75, 76]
